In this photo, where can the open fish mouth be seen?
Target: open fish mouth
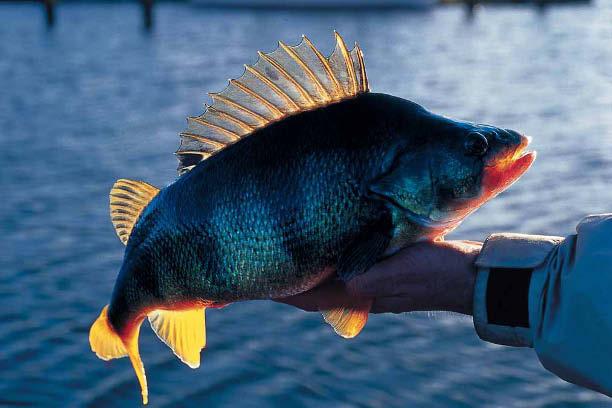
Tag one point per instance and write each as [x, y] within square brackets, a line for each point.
[521, 150]
[505, 171]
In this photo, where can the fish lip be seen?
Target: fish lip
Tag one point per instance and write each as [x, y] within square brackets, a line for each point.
[521, 150]
[506, 171]
[519, 153]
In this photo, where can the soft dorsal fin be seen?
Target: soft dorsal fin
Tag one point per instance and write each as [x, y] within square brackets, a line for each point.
[127, 200]
[289, 80]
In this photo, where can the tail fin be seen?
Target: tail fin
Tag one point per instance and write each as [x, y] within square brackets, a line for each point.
[107, 345]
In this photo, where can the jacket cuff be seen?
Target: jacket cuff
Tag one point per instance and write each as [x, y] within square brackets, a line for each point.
[503, 286]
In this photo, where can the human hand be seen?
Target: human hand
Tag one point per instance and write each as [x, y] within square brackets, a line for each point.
[425, 276]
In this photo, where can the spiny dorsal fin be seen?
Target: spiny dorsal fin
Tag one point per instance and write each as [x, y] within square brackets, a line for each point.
[289, 80]
[184, 331]
[127, 200]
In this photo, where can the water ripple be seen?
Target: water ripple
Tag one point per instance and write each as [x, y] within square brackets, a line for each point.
[97, 99]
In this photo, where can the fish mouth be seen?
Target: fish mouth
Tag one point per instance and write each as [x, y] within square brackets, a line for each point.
[505, 171]
[521, 151]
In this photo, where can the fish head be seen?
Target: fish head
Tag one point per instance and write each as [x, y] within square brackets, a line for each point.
[454, 169]
[476, 165]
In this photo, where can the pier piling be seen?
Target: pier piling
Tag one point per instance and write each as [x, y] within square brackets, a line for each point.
[147, 10]
[49, 12]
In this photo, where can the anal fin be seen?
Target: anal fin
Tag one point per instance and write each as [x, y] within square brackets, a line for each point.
[348, 320]
[184, 331]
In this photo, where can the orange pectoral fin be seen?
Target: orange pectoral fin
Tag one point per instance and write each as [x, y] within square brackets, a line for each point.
[349, 319]
[107, 345]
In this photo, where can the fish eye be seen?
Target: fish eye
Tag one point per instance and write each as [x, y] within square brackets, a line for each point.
[476, 144]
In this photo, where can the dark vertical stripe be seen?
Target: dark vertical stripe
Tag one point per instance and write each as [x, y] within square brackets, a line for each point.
[508, 297]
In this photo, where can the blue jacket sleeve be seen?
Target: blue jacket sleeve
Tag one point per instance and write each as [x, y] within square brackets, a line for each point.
[554, 295]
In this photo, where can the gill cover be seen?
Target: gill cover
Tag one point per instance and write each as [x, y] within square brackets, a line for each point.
[408, 185]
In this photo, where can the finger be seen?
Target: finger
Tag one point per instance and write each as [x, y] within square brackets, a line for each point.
[394, 275]
[471, 244]
[391, 304]
[403, 304]
[414, 266]
[324, 297]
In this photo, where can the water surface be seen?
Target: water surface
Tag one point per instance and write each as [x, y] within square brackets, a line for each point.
[97, 98]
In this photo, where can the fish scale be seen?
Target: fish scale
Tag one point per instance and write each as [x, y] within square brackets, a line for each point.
[268, 224]
[295, 175]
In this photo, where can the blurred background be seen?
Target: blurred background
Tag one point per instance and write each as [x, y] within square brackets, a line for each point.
[91, 92]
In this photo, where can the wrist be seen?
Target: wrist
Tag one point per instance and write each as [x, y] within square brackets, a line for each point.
[465, 271]
[452, 276]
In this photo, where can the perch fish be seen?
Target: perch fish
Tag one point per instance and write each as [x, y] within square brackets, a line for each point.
[295, 173]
